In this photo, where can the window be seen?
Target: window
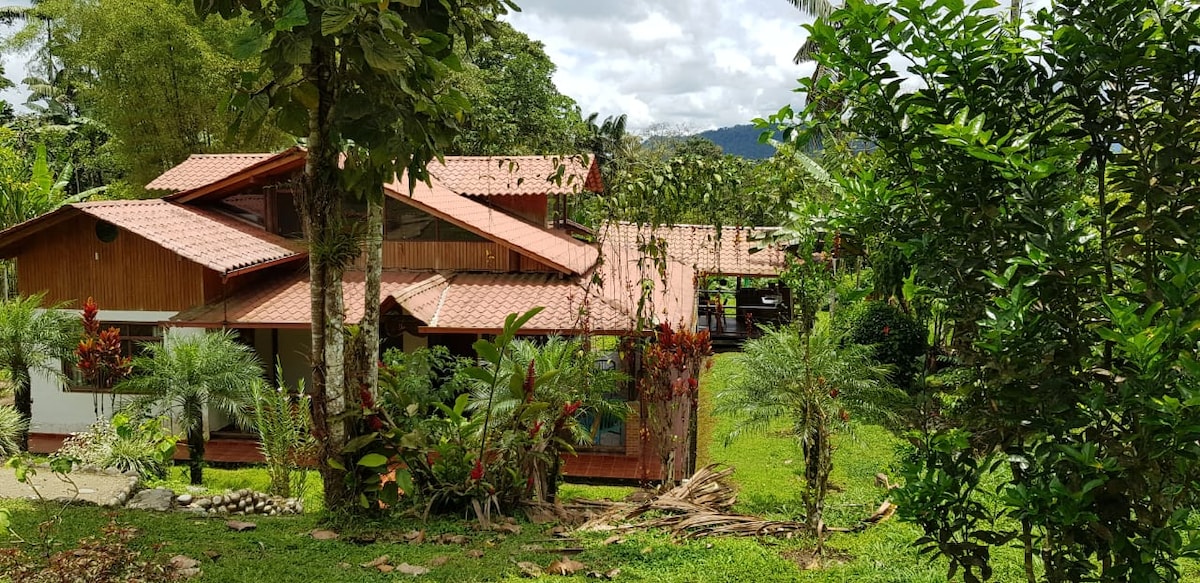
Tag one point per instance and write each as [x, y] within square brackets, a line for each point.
[134, 338]
[287, 217]
[405, 223]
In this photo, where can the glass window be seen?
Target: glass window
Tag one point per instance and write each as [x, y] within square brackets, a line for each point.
[402, 222]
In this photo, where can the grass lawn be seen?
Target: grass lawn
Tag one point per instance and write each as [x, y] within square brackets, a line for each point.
[279, 550]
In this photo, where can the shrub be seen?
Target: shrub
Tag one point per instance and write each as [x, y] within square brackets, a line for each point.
[412, 384]
[898, 340]
[123, 443]
[12, 425]
[284, 423]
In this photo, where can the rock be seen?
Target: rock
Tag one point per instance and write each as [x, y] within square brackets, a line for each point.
[234, 497]
[203, 503]
[184, 499]
[259, 506]
[183, 562]
[121, 497]
[195, 510]
[413, 570]
[240, 526]
[131, 474]
[218, 500]
[159, 499]
[112, 471]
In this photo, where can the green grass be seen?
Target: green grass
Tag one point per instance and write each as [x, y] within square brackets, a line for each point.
[767, 465]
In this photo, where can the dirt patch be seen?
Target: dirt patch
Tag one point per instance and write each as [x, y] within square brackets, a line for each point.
[809, 560]
[93, 488]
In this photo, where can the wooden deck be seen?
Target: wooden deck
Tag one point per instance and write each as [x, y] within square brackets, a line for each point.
[600, 467]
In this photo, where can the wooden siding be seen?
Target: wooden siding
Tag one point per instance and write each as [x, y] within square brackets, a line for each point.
[69, 263]
[531, 208]
[468, 256]
[529, 265]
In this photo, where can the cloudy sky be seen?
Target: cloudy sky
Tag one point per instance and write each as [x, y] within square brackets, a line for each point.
[700, 64]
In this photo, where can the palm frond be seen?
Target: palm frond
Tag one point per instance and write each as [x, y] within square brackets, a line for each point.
[12, 425]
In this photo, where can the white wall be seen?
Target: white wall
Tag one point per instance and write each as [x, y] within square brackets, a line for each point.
[57, 411]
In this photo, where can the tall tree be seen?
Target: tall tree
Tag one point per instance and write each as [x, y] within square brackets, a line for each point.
[156, 76]
[368, 81]
[33, 340]
[515, 107]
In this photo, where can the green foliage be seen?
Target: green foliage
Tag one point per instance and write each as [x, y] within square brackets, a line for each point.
[153, 75]
[515, 107]
[815, 382]
[1077, 322]
[144, 446]
[283, 421]
[897, 339]
[411, 384]
[30, 338]
[12, 426]
[188, 373]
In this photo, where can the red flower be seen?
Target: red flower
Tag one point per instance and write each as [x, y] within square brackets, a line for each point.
[374, 423]
[367, 400]
[477, 471]
[570, 408]
[530, 377]
[886, 330]
[844, 415]
[535, 430]
[833, 393]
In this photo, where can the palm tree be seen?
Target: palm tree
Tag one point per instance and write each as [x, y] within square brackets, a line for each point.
[813, 381]
[186, 374]
[30, 339]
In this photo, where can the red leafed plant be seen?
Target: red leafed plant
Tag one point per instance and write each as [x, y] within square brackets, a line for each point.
[99, 352]
[668, 391]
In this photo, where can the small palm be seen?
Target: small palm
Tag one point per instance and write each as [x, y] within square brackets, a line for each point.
[186, 374]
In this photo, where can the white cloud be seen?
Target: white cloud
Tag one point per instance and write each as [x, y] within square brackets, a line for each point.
[701, 63]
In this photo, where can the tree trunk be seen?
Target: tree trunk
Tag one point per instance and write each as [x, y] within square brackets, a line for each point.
[23, 398]
[817, 465]
[195, 439]
[319, 209]
[369, 327]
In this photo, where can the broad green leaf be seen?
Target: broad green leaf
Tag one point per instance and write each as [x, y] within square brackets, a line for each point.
[373, 460]
[293, 15]
[335, 19]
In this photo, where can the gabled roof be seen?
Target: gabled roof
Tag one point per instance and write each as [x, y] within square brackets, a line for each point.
[517, 175]
[555, 249]
[211, 239]
[729, 251]
[204, 176]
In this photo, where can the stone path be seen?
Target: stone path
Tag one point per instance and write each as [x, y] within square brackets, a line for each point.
[97, 488]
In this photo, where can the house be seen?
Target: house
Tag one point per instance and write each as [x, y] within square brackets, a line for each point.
[487, 236]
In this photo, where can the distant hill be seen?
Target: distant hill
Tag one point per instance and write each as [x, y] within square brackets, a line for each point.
[740, 140]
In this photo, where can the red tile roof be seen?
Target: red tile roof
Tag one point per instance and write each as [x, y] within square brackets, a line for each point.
[457, 303]
[201, 169]
[553, 248]
[479, 301]
[731, 251]
[283, 301]
[211, 239]
[516, 175]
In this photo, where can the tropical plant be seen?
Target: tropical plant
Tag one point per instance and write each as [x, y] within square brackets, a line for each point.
[283, 419]
[143, 446]
[12, 426]
[569, 381]
[33, 340]
[188, 373]
[816, 383]
[411, 384]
